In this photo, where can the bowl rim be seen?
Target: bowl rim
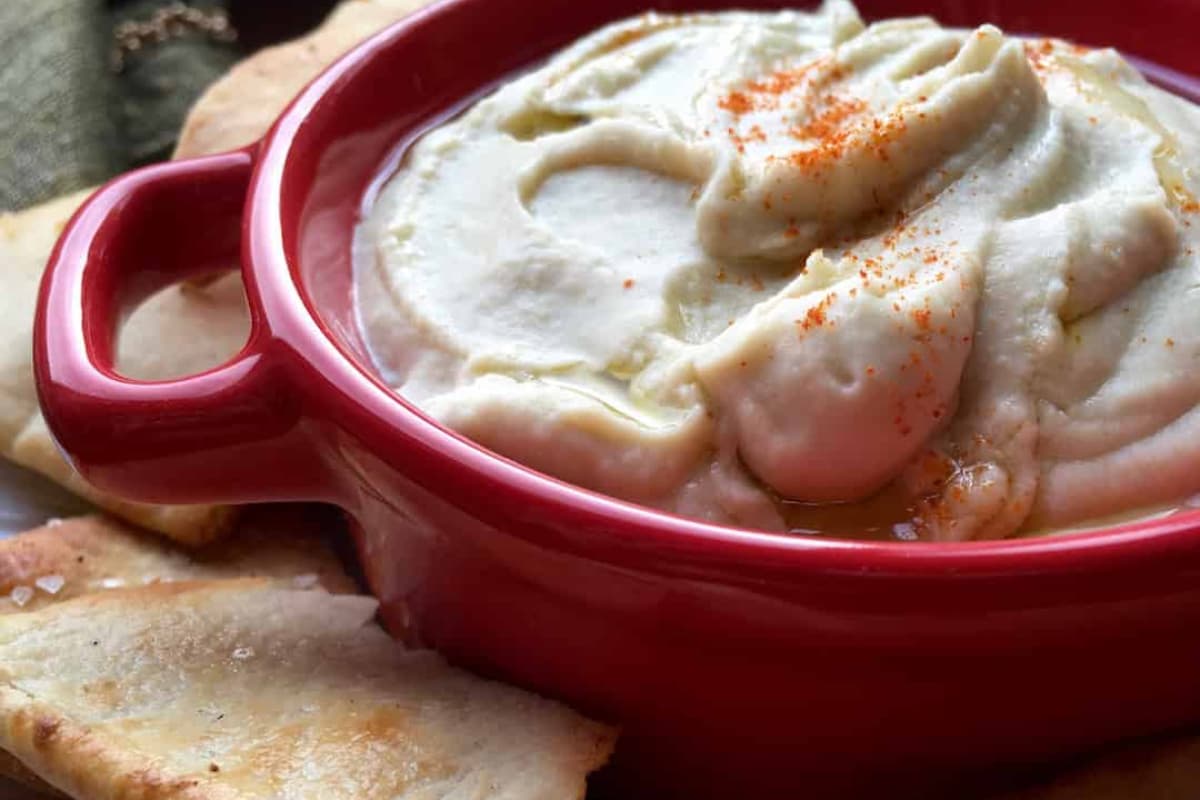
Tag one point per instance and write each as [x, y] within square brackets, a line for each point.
[632, 530]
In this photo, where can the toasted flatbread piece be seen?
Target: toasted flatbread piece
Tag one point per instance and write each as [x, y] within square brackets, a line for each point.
[72, 557]
[176, 332]
[241, 689]
[25, 242]
[180, 331]
[237, 109]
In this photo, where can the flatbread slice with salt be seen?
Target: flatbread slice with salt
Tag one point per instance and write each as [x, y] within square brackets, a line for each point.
[233, 689]
[73, 557]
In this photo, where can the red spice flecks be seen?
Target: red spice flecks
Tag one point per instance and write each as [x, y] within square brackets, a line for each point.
[628, 284]
[738, 141]
[816, 316]
[874, 138]
[736, 103]
[806, 87]
[831, 119]
[933, 469]
[927, 386]
[922, 317]
[1040, 55]
[817, 72]
[1170, 342]
[765, 93]
[835, 123]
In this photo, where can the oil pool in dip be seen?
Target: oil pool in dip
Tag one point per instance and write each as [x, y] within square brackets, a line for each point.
[790, 270]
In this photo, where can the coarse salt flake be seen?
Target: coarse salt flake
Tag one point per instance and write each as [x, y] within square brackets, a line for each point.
[50, 584]
[306, 581]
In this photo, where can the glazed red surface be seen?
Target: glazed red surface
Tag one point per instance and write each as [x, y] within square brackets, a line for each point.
[736, 661]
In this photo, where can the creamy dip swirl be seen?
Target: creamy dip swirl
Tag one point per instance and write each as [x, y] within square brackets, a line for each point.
[713, 261]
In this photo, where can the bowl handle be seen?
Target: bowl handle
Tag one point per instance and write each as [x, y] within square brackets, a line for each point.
[231, 434]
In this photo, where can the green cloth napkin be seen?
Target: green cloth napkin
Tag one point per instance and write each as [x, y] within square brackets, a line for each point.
[56, 132]
[68, 118]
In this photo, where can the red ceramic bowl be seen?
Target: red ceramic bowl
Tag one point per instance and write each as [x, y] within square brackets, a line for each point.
[736, 661]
